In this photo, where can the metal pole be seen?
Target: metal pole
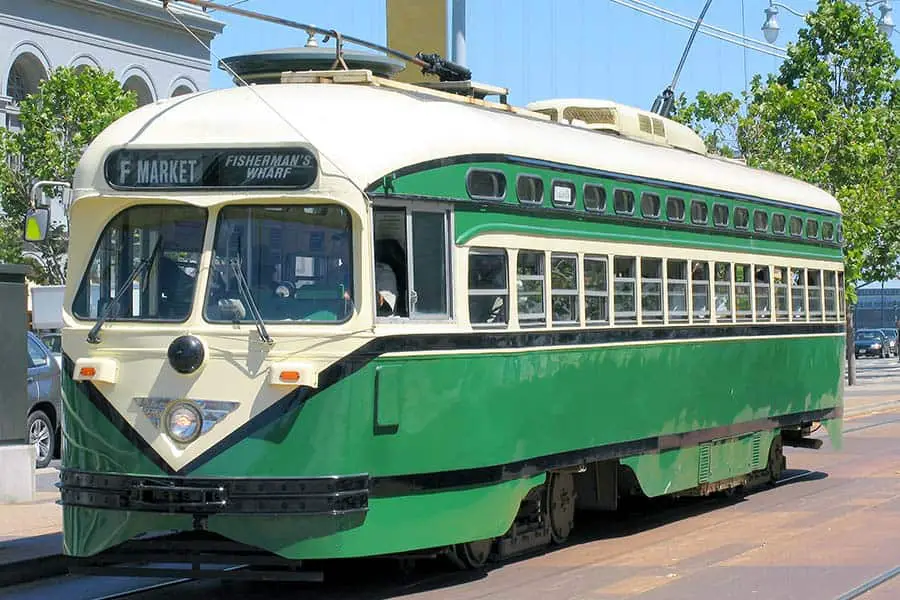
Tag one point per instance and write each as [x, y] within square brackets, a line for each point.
[665, 102]
[458, 24]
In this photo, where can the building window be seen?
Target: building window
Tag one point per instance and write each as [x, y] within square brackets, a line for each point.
[596, 290]
[650, 205]
[763, 310]
[676, 287]
[564, 289]
[594, 198]
[530, 288]
[563, 194]
[488, 288]
[723, 292]
[651, 290]
[743, 281]
[486, 185]
[780, 278]
[624, 268]
[623, 202]
[700, 291]
[675, 208]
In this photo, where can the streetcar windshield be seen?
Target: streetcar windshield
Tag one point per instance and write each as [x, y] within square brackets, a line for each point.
[293, 263]
[169, 238]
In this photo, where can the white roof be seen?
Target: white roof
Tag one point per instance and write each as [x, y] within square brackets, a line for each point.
[365, 132]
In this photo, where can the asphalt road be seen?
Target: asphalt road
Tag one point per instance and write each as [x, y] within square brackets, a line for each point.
[831, 526]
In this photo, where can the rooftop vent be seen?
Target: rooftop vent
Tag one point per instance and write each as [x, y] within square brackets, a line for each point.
[627, 121]
[268, 65]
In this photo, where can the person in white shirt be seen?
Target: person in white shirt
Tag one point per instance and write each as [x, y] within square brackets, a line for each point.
[386, 289]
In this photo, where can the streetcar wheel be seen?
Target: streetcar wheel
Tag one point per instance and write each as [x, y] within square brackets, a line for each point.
[471, 555]
[776, 460]
[561, 506]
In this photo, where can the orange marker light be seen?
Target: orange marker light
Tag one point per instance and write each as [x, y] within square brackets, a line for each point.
[289, 376]
[87, 372]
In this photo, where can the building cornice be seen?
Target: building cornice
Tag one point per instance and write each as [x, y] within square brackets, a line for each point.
[153, 10]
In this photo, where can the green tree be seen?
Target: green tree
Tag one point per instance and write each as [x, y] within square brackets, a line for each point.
[69, 110]
[831, 117]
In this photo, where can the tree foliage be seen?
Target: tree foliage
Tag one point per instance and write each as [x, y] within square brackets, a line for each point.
[831, 117]
[69, 110]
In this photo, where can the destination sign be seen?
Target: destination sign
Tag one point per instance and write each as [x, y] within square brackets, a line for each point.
[212, 168]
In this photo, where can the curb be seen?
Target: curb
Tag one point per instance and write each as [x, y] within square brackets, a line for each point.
[31, 569]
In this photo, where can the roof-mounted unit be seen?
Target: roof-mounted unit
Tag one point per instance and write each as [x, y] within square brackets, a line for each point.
[627, 121]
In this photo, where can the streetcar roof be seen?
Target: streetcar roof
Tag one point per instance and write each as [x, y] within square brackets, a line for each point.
[366, 132]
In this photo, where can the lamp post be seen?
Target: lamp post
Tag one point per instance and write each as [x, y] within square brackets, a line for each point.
[771, 28]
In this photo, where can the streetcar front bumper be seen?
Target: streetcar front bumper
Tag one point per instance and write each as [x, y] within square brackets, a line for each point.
[334, 495]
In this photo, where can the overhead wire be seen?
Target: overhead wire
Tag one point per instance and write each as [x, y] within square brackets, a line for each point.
[714, 32]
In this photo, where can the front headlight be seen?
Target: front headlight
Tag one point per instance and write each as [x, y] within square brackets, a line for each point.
[183, 422]
[876, 346]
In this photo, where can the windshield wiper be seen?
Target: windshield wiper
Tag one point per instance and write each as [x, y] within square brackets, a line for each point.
[93, 336]
[247, 295]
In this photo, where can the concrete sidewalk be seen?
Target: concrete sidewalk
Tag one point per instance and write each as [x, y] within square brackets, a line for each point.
[31, 538]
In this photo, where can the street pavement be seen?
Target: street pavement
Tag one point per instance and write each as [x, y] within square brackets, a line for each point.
[30, 539]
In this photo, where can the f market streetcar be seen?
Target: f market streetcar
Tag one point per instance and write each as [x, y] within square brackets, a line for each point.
[342, 316]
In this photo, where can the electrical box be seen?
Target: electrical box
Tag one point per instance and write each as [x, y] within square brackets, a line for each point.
[14, 401]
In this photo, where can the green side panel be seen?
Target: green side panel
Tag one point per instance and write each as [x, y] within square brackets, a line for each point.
[685, 468]
[92, 443]
[392, 524]
[471, 222]
[448, 183]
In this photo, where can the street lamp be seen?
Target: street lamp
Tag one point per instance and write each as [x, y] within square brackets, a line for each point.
[771, 28]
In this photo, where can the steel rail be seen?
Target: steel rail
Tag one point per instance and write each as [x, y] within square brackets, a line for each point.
[870, 584]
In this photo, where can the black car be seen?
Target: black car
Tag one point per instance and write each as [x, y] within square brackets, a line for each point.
[871, 342]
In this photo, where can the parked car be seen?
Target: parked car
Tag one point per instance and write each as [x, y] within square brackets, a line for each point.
[44, 394]
[871, 342]
[53, 341]
[891, 336]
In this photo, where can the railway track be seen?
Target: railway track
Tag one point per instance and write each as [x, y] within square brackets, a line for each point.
[871, 584]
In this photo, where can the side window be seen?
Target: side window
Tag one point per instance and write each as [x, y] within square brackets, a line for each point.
[563, 194]
[760, 221]
[412, 263]
[651, 290]
[840, 291]
[723, 292]
[676, 284]
[831, 311]
[623, 202]
[675, 208]
[779, 224]
[720, 215]
[828, 231]
[530, 189]
[763, 311]
[486, 185]
[743, 280]
[488, 289]
[650, 205]
[530, 288]
[596, 290]
[699, 212]
[700, 291]
[812, 229]
[798, 294]
[796, 225]
[814, 281]
[625, 271]
[741, 217]
[780, 279]
[564, 289]
[36, 356]
[594, 198]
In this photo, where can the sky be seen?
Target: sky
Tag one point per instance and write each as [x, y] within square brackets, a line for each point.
[542, 49]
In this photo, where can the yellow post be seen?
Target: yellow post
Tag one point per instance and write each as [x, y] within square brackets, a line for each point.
[416, 26]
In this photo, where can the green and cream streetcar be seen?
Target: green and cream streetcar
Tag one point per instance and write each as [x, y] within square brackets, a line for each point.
[341, 316]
